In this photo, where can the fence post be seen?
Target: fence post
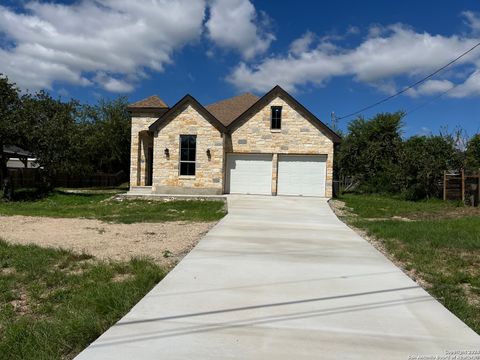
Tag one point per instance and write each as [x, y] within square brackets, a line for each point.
[463, 185]
[478, 187]
[444, 185]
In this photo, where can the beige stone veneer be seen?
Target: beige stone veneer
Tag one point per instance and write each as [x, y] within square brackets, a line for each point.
[209, 171]
[141, 139]
[297, 136]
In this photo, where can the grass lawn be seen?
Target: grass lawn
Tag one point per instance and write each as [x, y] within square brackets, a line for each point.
[438, 241]
[98, 206]
[53, 303]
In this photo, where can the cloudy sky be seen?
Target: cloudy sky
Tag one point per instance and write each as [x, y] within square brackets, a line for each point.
[337, 56]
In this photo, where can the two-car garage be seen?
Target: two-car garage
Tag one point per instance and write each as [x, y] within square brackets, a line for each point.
[296, 174]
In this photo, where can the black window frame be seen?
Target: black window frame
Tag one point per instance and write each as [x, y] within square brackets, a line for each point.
[276, 118]
[186, 164]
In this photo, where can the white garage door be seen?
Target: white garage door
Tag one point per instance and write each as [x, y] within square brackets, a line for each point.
[249, 174]
[301, 175]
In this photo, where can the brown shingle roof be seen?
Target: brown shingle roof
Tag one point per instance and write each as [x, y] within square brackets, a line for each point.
[150, 102]
[229, 109]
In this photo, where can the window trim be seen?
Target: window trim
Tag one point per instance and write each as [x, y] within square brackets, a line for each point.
[180, 161]
[279, 128]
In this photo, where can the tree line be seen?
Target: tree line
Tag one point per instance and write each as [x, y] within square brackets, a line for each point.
[66, 137]
[374, 155]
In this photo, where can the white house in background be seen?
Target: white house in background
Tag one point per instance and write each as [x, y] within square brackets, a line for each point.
[19, 158]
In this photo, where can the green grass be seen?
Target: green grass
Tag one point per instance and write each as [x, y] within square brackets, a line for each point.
[53, 303]
[377, 206]
[441, 245]
[99, 206]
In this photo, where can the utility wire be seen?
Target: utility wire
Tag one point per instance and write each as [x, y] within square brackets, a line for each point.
[410, 86]
[408, 112]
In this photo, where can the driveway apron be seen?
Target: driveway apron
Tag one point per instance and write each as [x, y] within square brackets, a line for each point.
[283, 278]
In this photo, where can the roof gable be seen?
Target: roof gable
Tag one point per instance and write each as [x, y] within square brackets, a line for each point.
[181, 105]
[226, 111]
[277, 91]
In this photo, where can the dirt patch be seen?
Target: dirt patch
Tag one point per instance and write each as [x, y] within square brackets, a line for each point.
[459, 212]
[397, 218]
[105, 240]
[7, 271]
[472, 296]
[340, 209]
[122, 277]
[21, 303]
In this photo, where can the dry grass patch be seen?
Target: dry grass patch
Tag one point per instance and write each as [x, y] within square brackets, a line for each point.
[107, 240]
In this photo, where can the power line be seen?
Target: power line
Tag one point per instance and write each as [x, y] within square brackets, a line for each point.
[410, 86]
[408, 112]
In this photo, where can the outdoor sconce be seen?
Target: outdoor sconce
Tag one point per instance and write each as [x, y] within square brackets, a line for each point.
[166, 152]
[209, 154]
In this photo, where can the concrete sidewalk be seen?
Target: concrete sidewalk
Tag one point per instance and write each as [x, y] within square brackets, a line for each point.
[283, 278]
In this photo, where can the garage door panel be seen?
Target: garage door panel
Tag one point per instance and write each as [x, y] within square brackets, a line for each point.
[249, 174]
[301, 175]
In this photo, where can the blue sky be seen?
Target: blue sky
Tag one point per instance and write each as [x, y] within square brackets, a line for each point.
[332, 56]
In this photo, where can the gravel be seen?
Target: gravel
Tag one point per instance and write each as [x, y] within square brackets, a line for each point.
[166, 242]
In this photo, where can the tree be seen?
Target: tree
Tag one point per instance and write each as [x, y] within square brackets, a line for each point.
[371, 150]
[10, 127]
[54, 136]
[423, 160]
[108, 138]
[472, 153]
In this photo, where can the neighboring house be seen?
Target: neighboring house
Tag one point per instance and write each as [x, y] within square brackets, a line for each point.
[270, 145]
[19, 158]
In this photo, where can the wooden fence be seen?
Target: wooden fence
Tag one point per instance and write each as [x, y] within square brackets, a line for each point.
[343, 184]
[23, 177]
[91, 180]
[463, 185]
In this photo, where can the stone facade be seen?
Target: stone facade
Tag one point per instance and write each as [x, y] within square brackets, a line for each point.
[209, 175]
[141, 139]
[297, 136]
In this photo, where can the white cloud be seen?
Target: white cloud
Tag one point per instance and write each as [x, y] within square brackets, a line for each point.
[431, 87]
[113, 84]
[472, 20]
[234, 24]
[471, 87]
[302, 44]
[80, 43]
[384, 55]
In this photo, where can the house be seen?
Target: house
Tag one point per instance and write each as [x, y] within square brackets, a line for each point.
[19, 158]
[270, 145]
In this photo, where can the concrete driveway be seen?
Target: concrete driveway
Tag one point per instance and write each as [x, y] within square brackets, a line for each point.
[283, 278]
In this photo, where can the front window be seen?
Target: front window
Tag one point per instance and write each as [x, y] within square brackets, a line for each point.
[276, 122]
[188, 152]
